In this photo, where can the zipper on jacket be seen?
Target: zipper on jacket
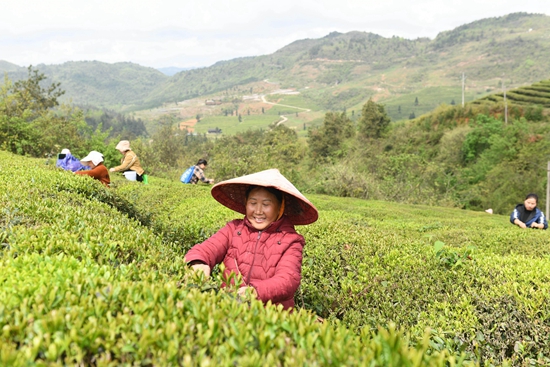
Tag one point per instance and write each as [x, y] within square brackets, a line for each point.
[253, 258]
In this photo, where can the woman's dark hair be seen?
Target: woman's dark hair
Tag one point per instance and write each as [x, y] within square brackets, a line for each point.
[202, 161]
[277, 193]
[534, 196]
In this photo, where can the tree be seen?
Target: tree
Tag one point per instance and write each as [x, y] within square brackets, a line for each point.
[27, 125]
[374, 120]
[240, 118]
[198, 117]
[412, 116]
[263, 110]
[453, 102]
[399, 109]
[34, 96]
[328, 139]
[416, 101]
[31, 98]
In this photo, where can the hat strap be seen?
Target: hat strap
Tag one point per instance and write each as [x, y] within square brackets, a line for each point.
[282, 210]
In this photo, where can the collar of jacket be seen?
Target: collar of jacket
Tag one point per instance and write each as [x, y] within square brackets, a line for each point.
[273, 227]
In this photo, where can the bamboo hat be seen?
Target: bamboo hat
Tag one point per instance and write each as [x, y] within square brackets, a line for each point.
[123, 145]
[232, 194]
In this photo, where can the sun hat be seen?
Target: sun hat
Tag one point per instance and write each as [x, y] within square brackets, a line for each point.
[232, 194]
[65, 151]
[123, 145]
[94, 156]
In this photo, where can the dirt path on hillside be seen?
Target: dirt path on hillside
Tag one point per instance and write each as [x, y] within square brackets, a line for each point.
[283, 117]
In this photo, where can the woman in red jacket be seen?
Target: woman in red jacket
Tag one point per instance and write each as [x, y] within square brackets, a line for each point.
[263, 247]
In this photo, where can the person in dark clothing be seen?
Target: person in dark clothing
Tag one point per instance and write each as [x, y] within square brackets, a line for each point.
[527, 215]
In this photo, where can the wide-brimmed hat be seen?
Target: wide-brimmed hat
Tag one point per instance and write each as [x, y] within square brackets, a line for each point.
[232, 194]
[123, 145]
[94, 156]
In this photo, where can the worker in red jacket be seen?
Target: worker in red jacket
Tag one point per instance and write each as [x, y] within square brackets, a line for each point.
[94, 160]
[263, 247]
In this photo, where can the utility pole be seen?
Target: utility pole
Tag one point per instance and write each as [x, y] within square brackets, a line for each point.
[505, 103]
[462, 89]
[547, 189]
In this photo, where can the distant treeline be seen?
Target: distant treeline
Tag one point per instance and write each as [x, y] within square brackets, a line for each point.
[466, 157]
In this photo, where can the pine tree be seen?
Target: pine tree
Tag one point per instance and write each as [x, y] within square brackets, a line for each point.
[416, 101]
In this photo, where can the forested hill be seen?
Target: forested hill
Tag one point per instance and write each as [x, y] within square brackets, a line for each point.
[340, 70]
[357, 65]
[97, 83]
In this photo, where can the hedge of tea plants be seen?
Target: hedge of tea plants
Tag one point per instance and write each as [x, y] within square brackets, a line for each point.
[480, 284]
[95, 276]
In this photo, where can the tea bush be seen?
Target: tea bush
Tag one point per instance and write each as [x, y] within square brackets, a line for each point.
[95, 276]
[484, 292]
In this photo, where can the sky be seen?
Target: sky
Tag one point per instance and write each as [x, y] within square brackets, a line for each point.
[198, 33]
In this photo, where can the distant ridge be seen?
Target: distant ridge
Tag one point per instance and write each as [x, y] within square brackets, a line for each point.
[340, 70]
[172, 70]
[8, 66]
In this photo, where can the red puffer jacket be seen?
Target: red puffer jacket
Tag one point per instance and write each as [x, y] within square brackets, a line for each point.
[269, 260]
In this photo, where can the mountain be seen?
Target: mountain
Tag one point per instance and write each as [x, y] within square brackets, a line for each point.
[172, 70]
[8, 67]
[340, 70]
[343, 70]
[98, 83]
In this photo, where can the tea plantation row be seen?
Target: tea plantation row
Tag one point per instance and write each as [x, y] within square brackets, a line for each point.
[480, 283]
[89, 276]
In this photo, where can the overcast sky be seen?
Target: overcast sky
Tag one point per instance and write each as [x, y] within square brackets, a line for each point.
[190, 33]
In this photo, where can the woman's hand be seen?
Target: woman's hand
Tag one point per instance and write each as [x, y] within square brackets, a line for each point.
[520, 223]
[537, 225]
[111, 169]
[201, 267]
[242, 291]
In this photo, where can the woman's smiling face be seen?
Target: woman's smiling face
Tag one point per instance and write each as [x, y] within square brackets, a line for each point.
[262, 208]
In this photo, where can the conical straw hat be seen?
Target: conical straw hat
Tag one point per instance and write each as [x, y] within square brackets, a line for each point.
[232, 194]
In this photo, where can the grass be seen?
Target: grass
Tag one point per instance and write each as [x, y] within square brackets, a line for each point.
[230, 125]
[428, 100]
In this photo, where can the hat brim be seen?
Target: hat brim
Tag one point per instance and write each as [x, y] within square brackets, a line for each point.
[232, 194]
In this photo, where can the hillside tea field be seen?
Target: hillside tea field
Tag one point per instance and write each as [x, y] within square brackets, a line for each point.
[95, 276]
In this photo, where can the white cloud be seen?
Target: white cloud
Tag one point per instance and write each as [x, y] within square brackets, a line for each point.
[199, 33]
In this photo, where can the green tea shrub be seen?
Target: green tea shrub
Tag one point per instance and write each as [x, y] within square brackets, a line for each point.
[374, 263]
[369, 264]
[84, 283]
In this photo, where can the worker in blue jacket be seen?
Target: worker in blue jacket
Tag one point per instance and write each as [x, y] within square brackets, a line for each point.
[527, 215]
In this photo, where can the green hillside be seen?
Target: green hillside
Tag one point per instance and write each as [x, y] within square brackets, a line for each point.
[537, 94]
[340, 67]
[94, 83]
[339, 70]
[95, 276]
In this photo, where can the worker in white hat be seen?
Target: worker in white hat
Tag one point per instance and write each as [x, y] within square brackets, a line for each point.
[98, 170]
